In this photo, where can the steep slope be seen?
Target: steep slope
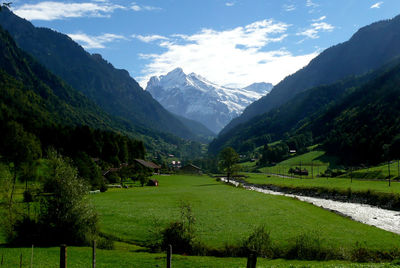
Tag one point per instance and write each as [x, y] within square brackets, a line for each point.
[356, 119]
[369, 48]
[31, 92]
[364, 126]
[38, 110]
[293, 115]
[192, 96]
[112, 89]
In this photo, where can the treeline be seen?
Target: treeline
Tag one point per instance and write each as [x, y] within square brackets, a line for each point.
[91, 150]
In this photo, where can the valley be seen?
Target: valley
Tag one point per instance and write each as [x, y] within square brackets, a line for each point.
[112, 131]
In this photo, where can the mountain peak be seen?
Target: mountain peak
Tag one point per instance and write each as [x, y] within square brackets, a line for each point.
[176, 72]
[196, 98]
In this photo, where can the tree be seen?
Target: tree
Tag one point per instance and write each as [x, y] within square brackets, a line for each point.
[66, 216]
[228, 158]
[18, 148]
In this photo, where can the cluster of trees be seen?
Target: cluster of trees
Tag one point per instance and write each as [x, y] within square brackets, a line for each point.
[91, 150]
[62, 215]
[280, 151]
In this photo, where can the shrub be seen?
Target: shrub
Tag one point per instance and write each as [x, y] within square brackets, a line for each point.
[361, 254]
[177, 235]
[103, 188]
[307, 247]
[105, 243]
[258, 242]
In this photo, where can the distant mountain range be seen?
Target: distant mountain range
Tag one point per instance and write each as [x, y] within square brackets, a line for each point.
[196, 98]
[369, 48]
[112, 89]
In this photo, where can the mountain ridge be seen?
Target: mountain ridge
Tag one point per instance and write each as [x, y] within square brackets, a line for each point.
[194, 97]
[110, 88]
[370, 47]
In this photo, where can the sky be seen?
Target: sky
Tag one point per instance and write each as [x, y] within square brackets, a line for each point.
[230, 42]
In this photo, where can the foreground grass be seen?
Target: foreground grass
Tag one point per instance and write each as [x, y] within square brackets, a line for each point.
[330, 183]
[81, 257]
[226, 215]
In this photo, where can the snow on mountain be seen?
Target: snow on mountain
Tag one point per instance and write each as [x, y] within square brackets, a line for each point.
[194, 97]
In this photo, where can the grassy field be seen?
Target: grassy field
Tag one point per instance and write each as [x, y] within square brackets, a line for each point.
[79, 257]
[379, 172]
[316, 162]
[226, 214]
[337, 183]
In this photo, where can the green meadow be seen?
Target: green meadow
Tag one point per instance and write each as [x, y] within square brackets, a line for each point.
[226, 215]
[329, 183]
[79, 257]
[316, 162]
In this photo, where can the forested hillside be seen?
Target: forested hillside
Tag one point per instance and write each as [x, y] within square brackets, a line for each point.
[303, 108]
[110, 88]
[368, 49]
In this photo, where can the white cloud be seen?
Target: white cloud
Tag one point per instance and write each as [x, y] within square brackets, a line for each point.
[310, 3]
[377, 5]
[315, 29]
[238, 56]
[50, 10]
[90, 42]
[229, 4]
[319, 19]
[289, 8]
[136, 7]
[149, 38]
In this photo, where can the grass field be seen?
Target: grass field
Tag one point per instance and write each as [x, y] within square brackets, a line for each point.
[79, 257]
[337, 183]
[379, 172]
[316, 162]
[226, 214]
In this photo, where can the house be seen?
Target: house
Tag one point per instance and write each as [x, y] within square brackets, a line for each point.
[191, 169]
[148, 164]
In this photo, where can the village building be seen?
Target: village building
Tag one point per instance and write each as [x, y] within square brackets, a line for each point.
[150, 165]
[191, 169]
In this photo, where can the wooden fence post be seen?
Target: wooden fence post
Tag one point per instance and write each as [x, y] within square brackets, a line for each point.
[169, 256]
[94, 254]
[63, 256]
[2, 259]
[20, 260]
[252, 260]
[32, 258]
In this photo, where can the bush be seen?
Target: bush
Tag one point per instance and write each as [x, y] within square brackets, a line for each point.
[258, 242]
[177, 235]
[103, 188]
[105, 243]
[361, 253]
[307, 247]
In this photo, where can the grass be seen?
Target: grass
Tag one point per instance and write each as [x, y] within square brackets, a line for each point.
[379, 172]
[330, 183]
[226, 214]
[316, 162]
[81, 257]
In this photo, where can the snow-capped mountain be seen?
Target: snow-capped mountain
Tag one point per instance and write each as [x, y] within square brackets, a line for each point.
[194, 97]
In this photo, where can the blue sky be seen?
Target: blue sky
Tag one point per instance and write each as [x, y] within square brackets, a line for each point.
[230, 42]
